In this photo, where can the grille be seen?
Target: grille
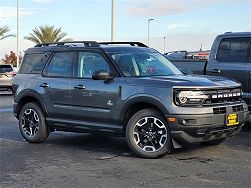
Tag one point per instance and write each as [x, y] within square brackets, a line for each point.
[220, 110]
[238, 108]
[223, 96]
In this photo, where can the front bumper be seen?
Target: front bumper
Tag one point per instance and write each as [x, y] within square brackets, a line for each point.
[205, 127]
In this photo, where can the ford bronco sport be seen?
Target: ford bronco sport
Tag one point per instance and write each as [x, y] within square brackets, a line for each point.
[123, 89]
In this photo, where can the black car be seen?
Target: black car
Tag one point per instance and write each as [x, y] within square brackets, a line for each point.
[123, 90]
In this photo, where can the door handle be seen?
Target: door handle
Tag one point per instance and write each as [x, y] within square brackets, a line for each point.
[215, 71]
[79, 87]
[44, 85]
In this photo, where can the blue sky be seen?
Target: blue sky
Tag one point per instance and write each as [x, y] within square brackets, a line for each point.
[185, 23]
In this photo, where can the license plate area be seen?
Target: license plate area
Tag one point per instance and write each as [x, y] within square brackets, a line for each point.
[232, 119]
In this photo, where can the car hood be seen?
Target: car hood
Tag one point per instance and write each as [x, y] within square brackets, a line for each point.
[201, 81]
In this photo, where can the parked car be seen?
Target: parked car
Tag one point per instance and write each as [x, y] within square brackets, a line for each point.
[131, 91]
[229, 57]
[176, 55]
[6, 74]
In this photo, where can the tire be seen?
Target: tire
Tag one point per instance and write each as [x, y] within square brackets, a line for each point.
[148, 134]
[32, 123]
[214, 142]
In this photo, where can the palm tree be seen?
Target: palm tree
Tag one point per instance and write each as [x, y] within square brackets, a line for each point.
[3, 32]
[46, 34]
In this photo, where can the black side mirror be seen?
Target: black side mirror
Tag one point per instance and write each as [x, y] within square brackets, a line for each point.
[102, 75]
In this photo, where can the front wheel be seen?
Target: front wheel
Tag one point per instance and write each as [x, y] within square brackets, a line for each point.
[148, 134]
[32, 123]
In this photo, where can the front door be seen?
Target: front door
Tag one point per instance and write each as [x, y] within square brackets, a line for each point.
[94, 100]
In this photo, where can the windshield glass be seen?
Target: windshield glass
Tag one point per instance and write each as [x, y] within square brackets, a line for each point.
[144, 64]
[5, 68]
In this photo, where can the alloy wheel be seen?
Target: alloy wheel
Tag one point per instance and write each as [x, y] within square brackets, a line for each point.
[30, 122]
[150, 134]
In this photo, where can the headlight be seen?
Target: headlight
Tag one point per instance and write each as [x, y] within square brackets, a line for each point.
[184, 98]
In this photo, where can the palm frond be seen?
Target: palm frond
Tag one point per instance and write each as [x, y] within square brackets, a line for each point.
[3, 32]
[46, 34]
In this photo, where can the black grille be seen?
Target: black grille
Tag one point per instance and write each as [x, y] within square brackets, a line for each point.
[219, 110]
[222, 96]
[238, 108]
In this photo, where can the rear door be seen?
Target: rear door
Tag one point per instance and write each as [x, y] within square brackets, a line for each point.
[232, 60]
[56, 83]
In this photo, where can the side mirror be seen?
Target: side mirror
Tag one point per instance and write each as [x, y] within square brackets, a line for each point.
[102, 75]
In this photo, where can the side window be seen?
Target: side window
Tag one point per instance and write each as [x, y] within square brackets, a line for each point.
[234, 50]
[33, 63]
[61, 65]
[89, 63]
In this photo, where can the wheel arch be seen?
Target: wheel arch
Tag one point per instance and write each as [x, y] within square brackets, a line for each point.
[139, 103]
[31, 97]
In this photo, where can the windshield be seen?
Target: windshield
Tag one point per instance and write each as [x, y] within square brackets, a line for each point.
[5, 68]
[144, 64]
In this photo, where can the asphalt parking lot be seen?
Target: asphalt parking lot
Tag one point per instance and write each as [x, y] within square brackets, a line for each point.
[88, 160]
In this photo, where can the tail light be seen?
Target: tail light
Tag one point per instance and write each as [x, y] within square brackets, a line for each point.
[11, 74]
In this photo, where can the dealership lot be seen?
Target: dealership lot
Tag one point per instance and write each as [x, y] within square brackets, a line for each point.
[88, 160]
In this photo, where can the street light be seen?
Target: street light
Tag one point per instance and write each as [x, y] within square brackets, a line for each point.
[17, 35]
[164, 45]
[112, 22]
[149, 20]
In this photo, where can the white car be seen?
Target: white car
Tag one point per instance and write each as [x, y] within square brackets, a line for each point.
[6, 74]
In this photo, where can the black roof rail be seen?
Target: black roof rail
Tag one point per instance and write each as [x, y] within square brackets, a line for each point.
[139, 44]
[86, 43]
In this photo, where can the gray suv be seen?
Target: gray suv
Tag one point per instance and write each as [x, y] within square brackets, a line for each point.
[123, 89]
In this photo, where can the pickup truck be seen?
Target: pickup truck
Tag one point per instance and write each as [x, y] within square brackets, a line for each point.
[229, 57]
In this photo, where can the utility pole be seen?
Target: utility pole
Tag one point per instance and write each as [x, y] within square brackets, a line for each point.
[112, 22]
[17, 53]
[164, 44]
[148, 31]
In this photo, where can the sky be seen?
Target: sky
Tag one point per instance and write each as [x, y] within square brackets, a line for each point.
[185, 24]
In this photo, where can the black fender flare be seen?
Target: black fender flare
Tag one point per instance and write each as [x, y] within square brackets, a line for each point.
[153, 100]
[30, 94]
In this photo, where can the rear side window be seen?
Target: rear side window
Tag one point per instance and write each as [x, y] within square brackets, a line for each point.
[61, 65]
[33, 63]
[234, 50]
[5, 68]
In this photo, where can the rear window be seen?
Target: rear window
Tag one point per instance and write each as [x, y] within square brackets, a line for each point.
[33, 63]
[61, 65]
[5, 68]
[234, 50]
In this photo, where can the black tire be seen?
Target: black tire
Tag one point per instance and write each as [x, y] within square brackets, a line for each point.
[32, 123]
[214, 142]
[162, 134]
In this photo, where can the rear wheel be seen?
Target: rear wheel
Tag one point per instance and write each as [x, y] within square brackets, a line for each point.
[32, 123]
[148, 134]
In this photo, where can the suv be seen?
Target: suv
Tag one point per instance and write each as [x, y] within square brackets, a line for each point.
[6, 74]
[124, 90]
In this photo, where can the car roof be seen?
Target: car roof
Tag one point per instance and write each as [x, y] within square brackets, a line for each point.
[109, 47]
[123, 48]
[236, 34]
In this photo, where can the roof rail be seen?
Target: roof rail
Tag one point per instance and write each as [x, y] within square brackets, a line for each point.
[86, 43]
[139, 44]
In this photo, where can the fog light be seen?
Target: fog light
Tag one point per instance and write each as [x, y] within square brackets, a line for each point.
[171, 119]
